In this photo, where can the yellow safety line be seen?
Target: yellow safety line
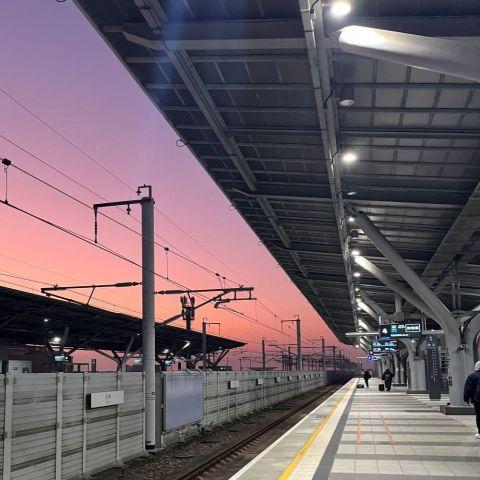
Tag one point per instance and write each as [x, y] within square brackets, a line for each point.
[288, 471]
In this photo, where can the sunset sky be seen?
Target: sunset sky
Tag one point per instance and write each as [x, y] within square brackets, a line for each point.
[57, 66]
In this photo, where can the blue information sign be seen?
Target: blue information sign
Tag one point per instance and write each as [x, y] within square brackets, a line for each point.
[400, 330]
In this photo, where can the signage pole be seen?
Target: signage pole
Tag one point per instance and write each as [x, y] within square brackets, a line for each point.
[264, 354]
[204, 345]
[434, 376]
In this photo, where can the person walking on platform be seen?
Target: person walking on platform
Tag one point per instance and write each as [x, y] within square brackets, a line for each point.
[366, 377]
[471, 394]
[387, 377]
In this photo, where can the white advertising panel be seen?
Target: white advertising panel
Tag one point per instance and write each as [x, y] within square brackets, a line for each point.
[182, 399]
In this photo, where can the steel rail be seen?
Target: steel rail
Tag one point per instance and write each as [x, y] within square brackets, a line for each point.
[196, 470]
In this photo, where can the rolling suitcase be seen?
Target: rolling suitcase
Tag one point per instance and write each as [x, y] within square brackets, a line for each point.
[381, 387]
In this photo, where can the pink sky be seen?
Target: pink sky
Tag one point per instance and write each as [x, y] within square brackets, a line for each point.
[61, 69]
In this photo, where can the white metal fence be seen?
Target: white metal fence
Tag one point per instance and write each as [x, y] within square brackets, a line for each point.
[231, 395]
[49, 433]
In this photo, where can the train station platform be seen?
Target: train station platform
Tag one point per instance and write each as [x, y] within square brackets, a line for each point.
[365, 434]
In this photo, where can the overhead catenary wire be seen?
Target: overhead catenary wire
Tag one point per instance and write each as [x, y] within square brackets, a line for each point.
[92, 192]
[80, 202]
[52, 272]
[4, 273]
[126, 185]
[106, 249]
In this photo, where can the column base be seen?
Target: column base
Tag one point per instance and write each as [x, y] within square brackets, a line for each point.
[416, 392]
[451, 410]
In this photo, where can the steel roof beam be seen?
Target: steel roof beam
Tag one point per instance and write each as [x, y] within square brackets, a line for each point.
[435, 305]
[235, 86]
[431, 26]
[395, 286]
[315, 147]
[157, 18]
[413, 86]
[418, 148]
[212, 44]
[408, 109]
[320, 70]
[395, 177]
[422, 133]
[251, 109]
[396, 199]
[371, 303]
[221, 58]
[440, 55]
[454, 242]
[363, 161]
[367, 309]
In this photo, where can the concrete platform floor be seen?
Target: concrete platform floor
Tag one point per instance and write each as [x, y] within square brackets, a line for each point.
[365, 434]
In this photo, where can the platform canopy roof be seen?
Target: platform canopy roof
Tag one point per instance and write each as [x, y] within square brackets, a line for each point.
[252, 88]
[23, 315]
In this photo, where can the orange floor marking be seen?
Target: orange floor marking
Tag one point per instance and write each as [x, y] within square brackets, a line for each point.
[359, 430]
[389, 433]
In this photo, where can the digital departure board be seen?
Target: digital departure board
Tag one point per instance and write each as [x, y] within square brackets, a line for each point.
[400, 330]
[386, 346]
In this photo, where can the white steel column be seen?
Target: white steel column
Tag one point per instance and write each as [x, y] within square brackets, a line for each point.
[148, 309]
[398, 304]
[408, 295]
[417, 366]
[440, 55]
[397, 368]
[458, 358]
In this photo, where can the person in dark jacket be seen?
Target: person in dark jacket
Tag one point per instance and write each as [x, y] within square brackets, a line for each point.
[366, 376]
[471, 394]
[387, 377]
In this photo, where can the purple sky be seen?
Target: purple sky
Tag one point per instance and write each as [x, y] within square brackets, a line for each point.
[59, 67]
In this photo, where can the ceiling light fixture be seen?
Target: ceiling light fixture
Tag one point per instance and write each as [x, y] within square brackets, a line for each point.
[355, 252]
[340, 8]
[350, 219]
[346, 97]
[357, 274]
[349, 157]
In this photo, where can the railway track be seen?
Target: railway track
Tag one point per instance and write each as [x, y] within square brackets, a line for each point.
[225, 463]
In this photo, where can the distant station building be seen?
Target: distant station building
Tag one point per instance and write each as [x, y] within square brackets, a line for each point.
[40, 334]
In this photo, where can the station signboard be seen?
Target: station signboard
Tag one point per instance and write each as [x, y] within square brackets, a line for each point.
[434, 372]
[386, 346]
[400, 330]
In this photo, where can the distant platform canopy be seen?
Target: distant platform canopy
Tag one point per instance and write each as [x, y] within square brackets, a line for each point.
[30, 319]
